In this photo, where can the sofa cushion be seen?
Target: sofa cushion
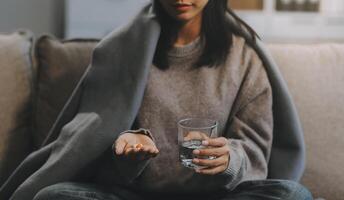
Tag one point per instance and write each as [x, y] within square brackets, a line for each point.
[315, 76]
[60, 66]
[15, 100]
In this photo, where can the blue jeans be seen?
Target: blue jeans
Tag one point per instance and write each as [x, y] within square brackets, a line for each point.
[249, 190]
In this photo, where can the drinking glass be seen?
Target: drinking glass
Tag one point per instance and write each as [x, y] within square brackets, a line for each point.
[191, 133]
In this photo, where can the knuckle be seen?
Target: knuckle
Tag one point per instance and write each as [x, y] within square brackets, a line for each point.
[216, 162]
[223, 140]
[119, 140]
[218, 153]
[226, 151]
[213, 163]
[206, 172]
[202, 162]
[205, 162]
[223, 160]
[201, 152]
[205, 152]
[211, 140]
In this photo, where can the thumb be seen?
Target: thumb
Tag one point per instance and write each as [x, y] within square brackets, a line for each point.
[120, 145]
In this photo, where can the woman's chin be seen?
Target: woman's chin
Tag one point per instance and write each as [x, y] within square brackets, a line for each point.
[183, 17]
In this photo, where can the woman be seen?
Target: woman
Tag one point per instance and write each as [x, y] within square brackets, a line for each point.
[201, 68]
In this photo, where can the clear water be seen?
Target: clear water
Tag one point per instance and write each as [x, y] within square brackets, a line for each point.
[185, 153]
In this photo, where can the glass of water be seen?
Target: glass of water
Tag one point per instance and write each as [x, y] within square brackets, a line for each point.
[191, 133]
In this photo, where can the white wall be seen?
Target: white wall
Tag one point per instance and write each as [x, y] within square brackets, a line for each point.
[103, 16]
[39, 16]
[96, 18]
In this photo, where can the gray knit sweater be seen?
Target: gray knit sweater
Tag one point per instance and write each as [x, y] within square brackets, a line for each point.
[240, 88]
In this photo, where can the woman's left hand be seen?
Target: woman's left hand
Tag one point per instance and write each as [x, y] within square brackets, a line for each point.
[218, 148]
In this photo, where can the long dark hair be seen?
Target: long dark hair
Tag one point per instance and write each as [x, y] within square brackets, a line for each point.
[216, 33]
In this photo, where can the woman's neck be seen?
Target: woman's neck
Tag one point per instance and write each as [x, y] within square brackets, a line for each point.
[189, 31]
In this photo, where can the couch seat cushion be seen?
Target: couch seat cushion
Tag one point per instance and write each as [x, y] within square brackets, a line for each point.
[315, 76]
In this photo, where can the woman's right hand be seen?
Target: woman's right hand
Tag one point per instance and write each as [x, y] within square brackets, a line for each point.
[135, 146]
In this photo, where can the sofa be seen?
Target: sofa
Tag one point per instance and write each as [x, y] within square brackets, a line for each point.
[38, 75]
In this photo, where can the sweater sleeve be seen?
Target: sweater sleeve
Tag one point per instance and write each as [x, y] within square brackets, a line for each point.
[249, 130]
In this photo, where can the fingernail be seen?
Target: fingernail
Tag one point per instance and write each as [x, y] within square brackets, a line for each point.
[195, 160]
[196, 152]
[204, 142]
[118, 152]
[198, 171]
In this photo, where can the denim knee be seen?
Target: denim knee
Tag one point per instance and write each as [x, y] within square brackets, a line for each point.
[296, 191]
[48, 193]
[69, 191]
[73, 191]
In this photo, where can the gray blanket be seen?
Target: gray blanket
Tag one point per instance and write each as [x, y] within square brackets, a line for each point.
[106, 102]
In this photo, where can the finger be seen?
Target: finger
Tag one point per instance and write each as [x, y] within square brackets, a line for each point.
[211, 162]
[138, 146]
[215, 142]
[211, 171]
[151, 151]
[139, 153]
[217, 152]
[195, 135]
[146, 148]
[120, 145]
[154, 151]
[128, 151]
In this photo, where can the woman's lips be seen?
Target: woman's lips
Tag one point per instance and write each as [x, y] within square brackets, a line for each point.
[183, 7]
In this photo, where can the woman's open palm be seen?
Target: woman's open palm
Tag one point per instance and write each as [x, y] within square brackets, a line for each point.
[135, 146]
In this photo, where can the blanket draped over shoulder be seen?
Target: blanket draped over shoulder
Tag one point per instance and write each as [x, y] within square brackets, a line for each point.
[107, 99]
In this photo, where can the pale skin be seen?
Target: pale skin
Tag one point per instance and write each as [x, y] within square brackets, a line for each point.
[189, 15]
[136, 146]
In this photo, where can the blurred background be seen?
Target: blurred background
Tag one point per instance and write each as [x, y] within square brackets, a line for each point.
[274, 20]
